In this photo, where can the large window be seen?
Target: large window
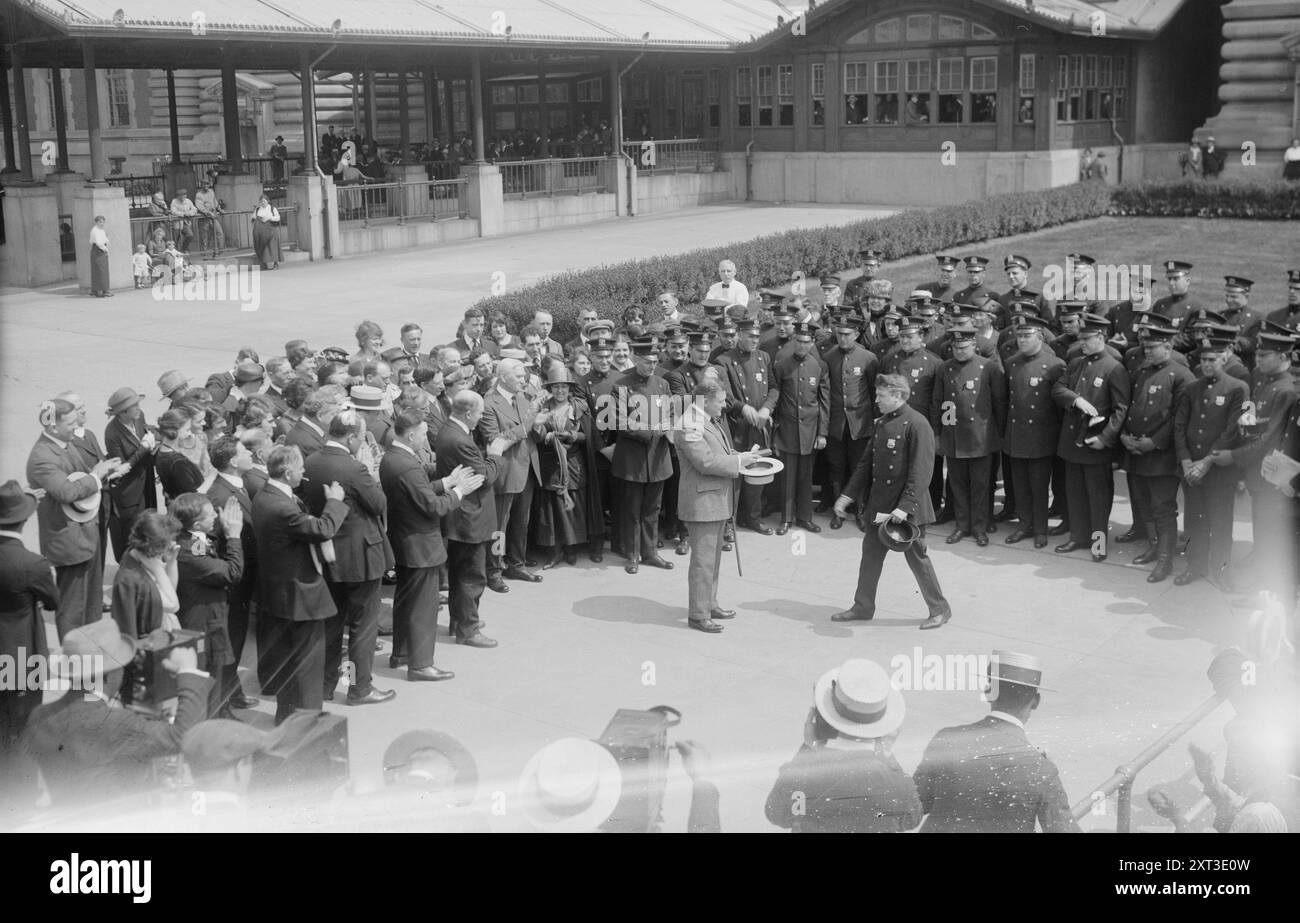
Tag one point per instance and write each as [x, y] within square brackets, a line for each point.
[1025, 86]
[886, 98]
[118, 87]
[785, 93]
[713, 95]
[857, 104]
[818, 94]
[590, 91]
[916, 84]
[952, 86]
[765, 94]
[1090, 87]
[744, 96]
[984, 89]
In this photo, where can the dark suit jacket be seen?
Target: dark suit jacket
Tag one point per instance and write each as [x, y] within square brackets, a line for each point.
[305, 438]
[895, 470]
[219, 492]
[986, 778]
[415, 510]
[137, 604]
[254, 480]
[513, 419]
[89, 751]
[852, 390]
[276, 398]
[137, 488]
[63, 541]
[203, 590]
[26, 584]
[486, 344]
[844, 791]
[360, 546]
[1033, 419]
[289, 584]
[476, 518]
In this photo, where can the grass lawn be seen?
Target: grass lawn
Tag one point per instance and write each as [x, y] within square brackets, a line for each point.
[1258, 250]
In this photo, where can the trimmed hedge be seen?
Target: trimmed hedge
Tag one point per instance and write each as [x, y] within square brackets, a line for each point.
[768, 260]
[1272, 200]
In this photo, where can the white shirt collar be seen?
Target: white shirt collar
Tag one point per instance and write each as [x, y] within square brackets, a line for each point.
[337, 445]
[231, 479]
[6, 533]
[58, 442]
[506, 394]
[461, 423]
[313, 426]
[1010, 719]
[281, 486]
[402, 445]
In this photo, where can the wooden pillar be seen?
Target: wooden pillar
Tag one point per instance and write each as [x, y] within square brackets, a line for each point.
[615, 104]
[7, 119]
[372, 115]
[403, 115]
[230, 118]
[60, 120]
[173, 123]
[449, 108]
[543, 125]
[430, 102]
[308, 79]
[93, 134]
[20, 117]
[476, 101]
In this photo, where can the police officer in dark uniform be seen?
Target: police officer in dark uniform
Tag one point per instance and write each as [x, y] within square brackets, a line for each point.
[727, 336]
[596, 388]
[779, 336]
[1289, 315]
[1211, 324]
[1148, 438]
[1238, 312]
[674, 352]
[854, 292]
[748, 371]
[1135, 355]
[642, 461]
[1017, 269]
[919, 366]
[975, 290]
[1093, 394]
[1033, 426]
[1205, 423]
[943, 289]
[799, 398]
[1069, 315]
[1179, 302]
[852, 370]
[890, 480]
[968, 412]
[1127, 313]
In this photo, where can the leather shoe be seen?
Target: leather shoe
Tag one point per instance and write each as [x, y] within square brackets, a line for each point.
[1060, 529]
[1040, 541]
[722, 614]
[1069, 546]
[478, 639]
[570, 558]
[706, 625]
[241, 701]
[596, 557]
[529, 562]
[808, 526]
[992, 527]
[956, 537]
[373, 697]
[1163, 570]
[728, 534]
[1147, 556]
[1017, 536]
[632, 567]
[498, 585]
[982, 539]
[683, 546]
[1186, 577]
[390, 578]
[518, 573]
[396, 663]
[783, 528]
[936, 621]
[1132, 535]
[759, 526]
[653, 560]
[848, 615]
[429, 675]
[1098, 558]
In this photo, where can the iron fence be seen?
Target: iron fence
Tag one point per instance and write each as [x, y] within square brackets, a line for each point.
[373, 203]
[213, 236]
[685, 155]
[559, 176]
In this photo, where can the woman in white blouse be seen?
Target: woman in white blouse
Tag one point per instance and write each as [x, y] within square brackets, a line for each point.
[266, 243]
[99, 259]
[1291, 160]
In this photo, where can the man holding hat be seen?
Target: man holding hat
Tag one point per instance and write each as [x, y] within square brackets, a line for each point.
[986, 777]
[1033, 426]
[683, 381]
[509, 413]
[800, 397]
[1148, 438]
[727, 289]
[1205, 424]
[1289, 314]
[26, 585]
[220, 384]
[68, 514]
[88, 748]
[844, 777]
[1093, 395]
[892, 480]
[852, 370]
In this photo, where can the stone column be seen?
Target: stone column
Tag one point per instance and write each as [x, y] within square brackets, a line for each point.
[476, 100]
[60, 120]
[230, 119]
[93, 134]
[485, 197]
[7, 119]
[20, 118]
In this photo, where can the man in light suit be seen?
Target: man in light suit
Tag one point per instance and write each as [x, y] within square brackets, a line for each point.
[508, 412]
[361, 556]
[986, 777]
[293, 597]
[72, 547]
[416, 506]
[705, 499]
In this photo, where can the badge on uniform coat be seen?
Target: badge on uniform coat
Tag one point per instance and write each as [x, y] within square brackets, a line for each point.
[970, 386]
[758, 376]
[1153, 389]
[890, 443]
[857, 370]
[813, 381]
[916, 373]
[1096, 382]
[1218, 401]
[1033, 382]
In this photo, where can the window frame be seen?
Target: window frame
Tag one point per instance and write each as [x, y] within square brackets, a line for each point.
[124, 97]
[817, 90]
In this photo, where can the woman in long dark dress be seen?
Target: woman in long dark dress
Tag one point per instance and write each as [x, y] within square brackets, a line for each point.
[266, 240]
[99, 286]
[177, 474]
[564, 432]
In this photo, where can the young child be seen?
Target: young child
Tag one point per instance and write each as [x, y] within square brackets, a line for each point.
[140, 265]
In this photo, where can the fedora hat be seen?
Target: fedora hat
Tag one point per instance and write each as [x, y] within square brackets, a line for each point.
[87, 508]
[570, 785]
[100, 639]
[121, 399]
[858, 700]
[16, 505]
[170, 381]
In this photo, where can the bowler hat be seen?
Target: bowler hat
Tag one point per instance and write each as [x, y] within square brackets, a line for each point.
[16, 505]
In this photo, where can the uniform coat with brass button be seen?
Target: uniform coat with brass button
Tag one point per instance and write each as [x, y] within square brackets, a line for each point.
[799, 400]
[710, 466]
[1274, 397]
[1032, 433]
[852, 408]
[920, 368]
[1153, 476]
[1205, 421]
[1089, 479]
[968, 413]
[894, 474]
[642, 459]
[748, 377]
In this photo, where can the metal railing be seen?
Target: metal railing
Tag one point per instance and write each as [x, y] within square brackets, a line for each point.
[431, 200]
[1121, 782]
[139, 189]
[262, 167]
[686, 155]
[564, 176]
[232, 231]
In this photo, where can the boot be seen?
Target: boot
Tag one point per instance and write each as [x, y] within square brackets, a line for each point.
[1165, 545]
